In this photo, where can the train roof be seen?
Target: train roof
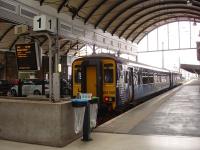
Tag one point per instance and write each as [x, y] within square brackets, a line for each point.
[102, 55]
[128, 62]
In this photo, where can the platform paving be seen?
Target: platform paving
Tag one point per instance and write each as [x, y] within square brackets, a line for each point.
[107, 141]
[178, 115]
[176, 112]
[125, 123]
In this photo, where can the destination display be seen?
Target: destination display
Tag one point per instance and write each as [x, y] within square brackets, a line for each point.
[27, 56]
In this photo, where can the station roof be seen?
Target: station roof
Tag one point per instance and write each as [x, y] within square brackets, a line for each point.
[130, 19]
[191, 68]
[8, 40]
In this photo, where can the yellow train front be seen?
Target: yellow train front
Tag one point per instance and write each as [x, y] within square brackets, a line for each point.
[96, 75]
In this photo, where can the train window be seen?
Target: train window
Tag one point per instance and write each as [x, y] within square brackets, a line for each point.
[145, 80]
[155, 78]
[77, 74]
[158, 78]
[151, 79]
[108, 73]
[163, 79]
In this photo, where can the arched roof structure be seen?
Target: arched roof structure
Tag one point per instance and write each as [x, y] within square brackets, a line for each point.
[130, 19]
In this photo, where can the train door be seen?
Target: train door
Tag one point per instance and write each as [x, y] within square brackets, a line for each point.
[92, 77]
[131, 85]
[91, 80]
[171, 79]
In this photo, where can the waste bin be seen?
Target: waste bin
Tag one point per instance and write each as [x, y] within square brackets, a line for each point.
[79, 112]
[93, 111]
[85, 110]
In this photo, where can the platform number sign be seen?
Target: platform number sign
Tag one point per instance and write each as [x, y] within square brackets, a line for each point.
[44, 23]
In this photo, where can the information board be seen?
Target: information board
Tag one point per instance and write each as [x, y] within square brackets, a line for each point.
[27, 56]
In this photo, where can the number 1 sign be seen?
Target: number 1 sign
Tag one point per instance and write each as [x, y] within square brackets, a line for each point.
[44, 23]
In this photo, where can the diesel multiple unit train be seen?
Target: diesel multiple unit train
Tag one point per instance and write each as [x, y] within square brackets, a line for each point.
[118, 82]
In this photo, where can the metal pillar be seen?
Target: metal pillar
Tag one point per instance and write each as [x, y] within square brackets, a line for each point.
[163, 55]
[179, 67]
[56, 75]
[179, 38]
[168, 36]
[57, 55]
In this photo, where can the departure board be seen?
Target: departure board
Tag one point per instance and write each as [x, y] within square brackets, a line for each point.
[26, 55]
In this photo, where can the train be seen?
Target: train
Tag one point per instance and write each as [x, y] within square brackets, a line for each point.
[119, 82]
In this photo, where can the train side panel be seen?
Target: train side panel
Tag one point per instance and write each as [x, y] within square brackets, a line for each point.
[148, 82]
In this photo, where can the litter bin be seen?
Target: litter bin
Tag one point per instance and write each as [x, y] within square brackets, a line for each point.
[93, 111]
[79, 112]
[85, 110]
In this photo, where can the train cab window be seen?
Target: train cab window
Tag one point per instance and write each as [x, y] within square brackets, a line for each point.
[77, 74]
[108, 73]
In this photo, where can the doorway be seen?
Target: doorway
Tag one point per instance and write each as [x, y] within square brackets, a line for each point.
[91, 80]
[92, 77]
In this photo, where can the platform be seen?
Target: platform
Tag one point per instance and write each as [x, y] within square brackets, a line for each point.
[175, 112]
[169, 122]
[37, 121]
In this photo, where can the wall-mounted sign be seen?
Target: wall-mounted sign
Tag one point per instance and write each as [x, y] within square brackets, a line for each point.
[44, 23]
[28, 56]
